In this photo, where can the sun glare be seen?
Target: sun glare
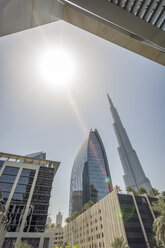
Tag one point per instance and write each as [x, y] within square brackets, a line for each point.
[56, 67]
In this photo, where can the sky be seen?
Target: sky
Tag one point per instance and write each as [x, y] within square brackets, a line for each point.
[37, 115]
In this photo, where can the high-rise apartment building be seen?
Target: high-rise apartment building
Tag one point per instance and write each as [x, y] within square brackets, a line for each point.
[59, 219]
[26, 184]
[90, 177]
[134, 175]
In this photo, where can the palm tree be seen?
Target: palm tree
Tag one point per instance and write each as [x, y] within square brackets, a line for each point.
[159, 222]
[119, 243]
[154, 192]
[163, 195]
[118, 189]
[130, 189]
[142, 191]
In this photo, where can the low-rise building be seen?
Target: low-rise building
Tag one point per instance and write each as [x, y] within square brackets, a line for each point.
[58, 236]
[116, 215]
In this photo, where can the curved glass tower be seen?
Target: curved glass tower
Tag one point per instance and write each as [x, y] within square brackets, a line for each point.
[90, 177]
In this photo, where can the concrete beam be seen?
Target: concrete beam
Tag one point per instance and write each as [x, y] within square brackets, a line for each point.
[112, 33]
[18, 15]
[101, 18]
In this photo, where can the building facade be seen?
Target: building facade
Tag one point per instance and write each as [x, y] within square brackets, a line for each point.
[58, 236]
[134, 175]
[59, 219]
[90, 177]
[116, 215]
[26, 185]
[3, 220]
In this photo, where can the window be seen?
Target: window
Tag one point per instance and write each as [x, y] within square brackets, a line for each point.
[11, 170]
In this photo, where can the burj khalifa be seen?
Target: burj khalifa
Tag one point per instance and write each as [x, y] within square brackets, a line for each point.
[133, 172]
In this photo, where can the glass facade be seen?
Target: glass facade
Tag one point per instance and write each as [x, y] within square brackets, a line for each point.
[146, 216]
[90, 178]
[19, 200]
[7, 180]
[131, 221]
[37, 215]
[1, 163]
[9, 243]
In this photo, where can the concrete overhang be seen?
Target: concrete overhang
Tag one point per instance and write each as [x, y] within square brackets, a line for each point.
[137, 25]
[24, 159]
[113, 23]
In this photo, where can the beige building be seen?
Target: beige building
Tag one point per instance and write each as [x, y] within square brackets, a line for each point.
[116, 215]
[58, 236]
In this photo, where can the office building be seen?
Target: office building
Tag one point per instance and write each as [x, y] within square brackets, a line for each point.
[115, 216]
[59, 219]
[26, 184]
[90, 177]
[134, 175]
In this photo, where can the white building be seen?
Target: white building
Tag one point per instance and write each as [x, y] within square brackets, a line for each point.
[59, 219]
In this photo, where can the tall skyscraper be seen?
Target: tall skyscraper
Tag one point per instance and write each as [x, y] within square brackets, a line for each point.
[26, 184]
[59, 219]
[90, 177]
[133, 172]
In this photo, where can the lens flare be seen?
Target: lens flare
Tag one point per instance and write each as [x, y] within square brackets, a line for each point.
[107, 180]
[120, 214]
[126, 214]
[76, 111]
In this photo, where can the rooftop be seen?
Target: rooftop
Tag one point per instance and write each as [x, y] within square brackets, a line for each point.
[25, 159]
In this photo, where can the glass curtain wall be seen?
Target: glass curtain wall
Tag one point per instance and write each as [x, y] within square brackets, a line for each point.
[90, 177]
[19, 200]
[7, 180]
[37, 216]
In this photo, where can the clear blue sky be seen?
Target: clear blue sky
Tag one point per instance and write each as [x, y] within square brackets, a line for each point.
[38, 117]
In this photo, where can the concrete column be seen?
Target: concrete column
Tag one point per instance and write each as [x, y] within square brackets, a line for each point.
[28, 203]
[150, 207]
[13, 188]
[140, 220]
[41, 242]
[2, 169]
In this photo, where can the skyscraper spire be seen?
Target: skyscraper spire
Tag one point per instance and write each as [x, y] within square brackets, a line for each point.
[133, 172]
[110, 101]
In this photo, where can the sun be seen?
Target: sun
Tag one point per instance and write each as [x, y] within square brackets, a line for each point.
[56, 67]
